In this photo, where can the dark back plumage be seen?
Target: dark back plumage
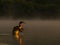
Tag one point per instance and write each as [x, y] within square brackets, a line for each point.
[14, 29]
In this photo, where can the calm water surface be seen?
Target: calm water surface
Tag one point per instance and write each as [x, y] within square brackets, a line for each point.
[36, 32]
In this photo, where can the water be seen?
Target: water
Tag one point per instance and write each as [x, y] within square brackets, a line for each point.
[36, 32]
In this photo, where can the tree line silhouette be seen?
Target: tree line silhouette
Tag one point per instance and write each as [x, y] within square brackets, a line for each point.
[30, 8]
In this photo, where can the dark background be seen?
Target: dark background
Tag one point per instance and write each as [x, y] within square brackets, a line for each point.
[42, 9]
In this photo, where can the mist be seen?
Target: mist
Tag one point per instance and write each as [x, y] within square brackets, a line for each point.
[41, 32]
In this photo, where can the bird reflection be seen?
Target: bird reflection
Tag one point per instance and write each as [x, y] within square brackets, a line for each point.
[18, 38]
